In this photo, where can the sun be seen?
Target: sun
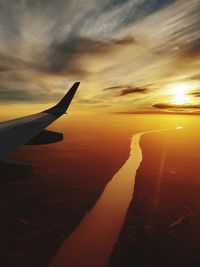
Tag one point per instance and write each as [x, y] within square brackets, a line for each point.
[180, 94]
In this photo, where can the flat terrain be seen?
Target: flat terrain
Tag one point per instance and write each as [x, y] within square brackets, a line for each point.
[38, 212]
[162, 227]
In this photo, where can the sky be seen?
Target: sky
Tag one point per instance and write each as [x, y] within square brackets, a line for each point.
[131, 56]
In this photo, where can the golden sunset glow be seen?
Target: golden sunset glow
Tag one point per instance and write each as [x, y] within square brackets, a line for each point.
[124, 61]
[180, 96]
[99, 133]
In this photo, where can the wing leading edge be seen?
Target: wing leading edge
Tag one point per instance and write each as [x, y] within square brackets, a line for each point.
[16, 133]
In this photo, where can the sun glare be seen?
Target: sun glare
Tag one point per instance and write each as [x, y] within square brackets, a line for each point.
[179, 127]
[180, 94]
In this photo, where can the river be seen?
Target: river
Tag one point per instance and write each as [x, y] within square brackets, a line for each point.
[92, 242]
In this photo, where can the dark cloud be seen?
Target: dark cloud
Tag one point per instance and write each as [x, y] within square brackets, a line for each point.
[124, 41]
[19, 86]
[114, 87]
[65, 57]
[156, 112]
[114, 3]
[16, 95]
[172, 106]
[133, 91]
[59, 59]
[14, 63]
[192, 50]
[195, 77]
[127, 89]
[195, 94]
[10, 95]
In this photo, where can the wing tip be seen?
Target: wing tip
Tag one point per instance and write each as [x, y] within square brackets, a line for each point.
[64, 103]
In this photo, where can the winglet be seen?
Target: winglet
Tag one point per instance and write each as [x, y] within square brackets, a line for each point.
[64, 103]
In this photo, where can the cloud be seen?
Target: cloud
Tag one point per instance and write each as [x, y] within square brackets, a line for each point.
[34, 94]
[127, 89]
[195, 94]
[157, 112]
[16, 95]
[59, 59]
[193, 50]
[172, 106]
[15, 63]
[21, 95]
[101, 43]
[133, 91]
[66, 56]
[195, 77]
[114, 87]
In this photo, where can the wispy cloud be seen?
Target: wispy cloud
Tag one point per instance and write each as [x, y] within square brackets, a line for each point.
[102, 43]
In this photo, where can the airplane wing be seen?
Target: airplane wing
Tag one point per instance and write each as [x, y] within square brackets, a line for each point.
[30, 129]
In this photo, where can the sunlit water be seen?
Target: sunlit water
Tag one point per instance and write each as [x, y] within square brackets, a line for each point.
[92, 242]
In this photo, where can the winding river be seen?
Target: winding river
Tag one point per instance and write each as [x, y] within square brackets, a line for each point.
[92, 241]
